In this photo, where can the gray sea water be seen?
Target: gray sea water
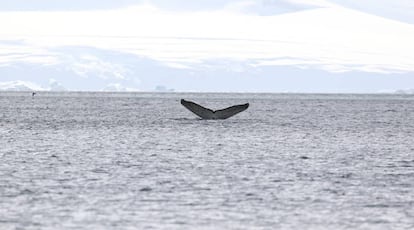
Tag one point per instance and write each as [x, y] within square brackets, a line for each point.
[142, 161]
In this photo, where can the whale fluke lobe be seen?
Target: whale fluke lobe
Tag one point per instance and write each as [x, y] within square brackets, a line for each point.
[209, 114]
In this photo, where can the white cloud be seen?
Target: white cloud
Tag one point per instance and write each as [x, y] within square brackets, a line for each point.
[401, 10]
[318, 3]
[89, 65]
[13, 53]
[330, 38]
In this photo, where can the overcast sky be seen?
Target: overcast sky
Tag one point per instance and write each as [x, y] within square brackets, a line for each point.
[208, 45]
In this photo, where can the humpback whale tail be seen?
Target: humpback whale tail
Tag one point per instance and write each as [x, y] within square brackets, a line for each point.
[206, 113]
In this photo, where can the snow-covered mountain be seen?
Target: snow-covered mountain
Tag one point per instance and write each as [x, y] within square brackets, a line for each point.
[311, 46]
[55, 85]
[19, 86]
[145, 74]
[30, 86]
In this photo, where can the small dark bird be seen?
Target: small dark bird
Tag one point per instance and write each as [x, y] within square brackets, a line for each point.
[33, 94]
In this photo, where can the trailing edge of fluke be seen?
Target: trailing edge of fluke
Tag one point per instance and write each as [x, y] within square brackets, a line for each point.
[209, 114]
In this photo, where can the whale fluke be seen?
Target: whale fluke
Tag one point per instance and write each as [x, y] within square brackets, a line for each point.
[209, 114]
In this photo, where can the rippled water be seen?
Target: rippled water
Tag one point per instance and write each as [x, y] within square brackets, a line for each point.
[134, 161]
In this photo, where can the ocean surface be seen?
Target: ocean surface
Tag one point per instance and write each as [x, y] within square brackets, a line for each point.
[142, 161]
